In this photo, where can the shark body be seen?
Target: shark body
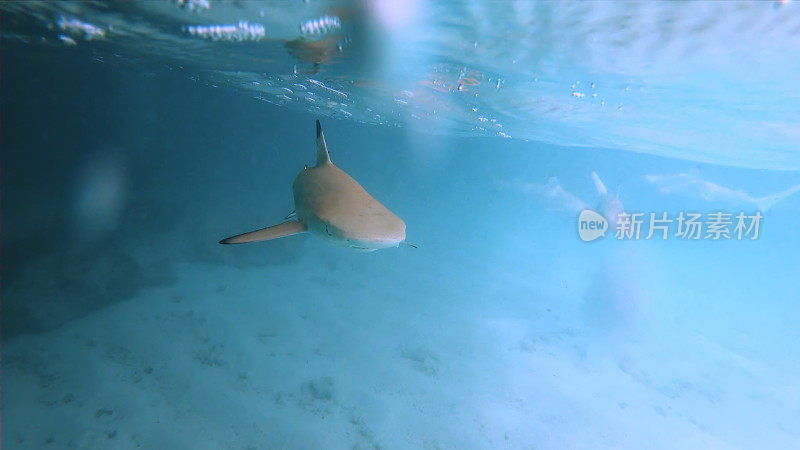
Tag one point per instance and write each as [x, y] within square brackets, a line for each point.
[332, 205]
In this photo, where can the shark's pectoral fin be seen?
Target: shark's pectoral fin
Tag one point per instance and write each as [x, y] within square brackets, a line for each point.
[285, 229]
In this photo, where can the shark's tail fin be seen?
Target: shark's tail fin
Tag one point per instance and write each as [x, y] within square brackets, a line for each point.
[768, 201]
[322, 150]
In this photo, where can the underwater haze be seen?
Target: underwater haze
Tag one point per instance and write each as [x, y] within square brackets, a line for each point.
[136, 135]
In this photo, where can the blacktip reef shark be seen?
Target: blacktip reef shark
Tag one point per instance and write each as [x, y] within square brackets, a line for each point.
[609, 205]
[331, 204]
[691, 183]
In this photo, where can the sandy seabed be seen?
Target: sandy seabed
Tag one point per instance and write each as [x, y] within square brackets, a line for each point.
[355, 355]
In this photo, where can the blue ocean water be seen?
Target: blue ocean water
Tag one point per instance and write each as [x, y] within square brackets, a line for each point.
[136, 135]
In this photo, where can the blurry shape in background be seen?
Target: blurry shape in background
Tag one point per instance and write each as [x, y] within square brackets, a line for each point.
[393, 15]
[692, 184]
[194, 5]
[67, 40]
[100, 195]
[609, 205]
[321, 39]
[557, 197]
[617, 298]
[78, 29]
[320, 26]
[316, 52]
[392, 34]
[241, 32]
[564, 200]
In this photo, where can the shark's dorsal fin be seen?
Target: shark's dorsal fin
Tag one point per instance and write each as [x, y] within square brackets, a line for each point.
[598, 184]
[322, 150]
